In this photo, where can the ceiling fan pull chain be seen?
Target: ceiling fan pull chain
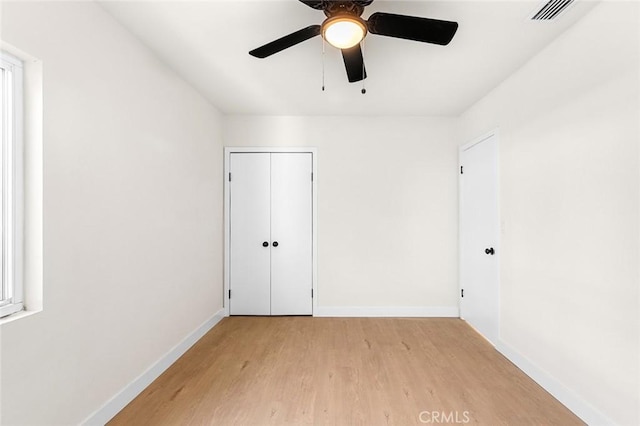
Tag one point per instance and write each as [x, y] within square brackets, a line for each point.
[364, 90]
[323, 48]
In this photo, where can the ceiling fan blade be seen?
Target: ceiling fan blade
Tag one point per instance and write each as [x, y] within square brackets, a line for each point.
[315, 4]
[286, 42]
[354, 63]
[412, 28]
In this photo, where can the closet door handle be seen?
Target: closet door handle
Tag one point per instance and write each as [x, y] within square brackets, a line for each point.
[275, 244]
[265, 244]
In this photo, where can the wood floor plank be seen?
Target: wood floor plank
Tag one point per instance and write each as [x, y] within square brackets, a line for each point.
[343, 371]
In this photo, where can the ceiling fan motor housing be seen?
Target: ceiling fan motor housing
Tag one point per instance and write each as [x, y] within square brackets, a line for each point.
[336, 8]
[327, 4]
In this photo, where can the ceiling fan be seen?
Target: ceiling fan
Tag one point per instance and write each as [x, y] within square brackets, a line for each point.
[345, 29]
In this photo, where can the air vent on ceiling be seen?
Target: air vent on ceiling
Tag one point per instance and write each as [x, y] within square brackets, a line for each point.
[550, 10]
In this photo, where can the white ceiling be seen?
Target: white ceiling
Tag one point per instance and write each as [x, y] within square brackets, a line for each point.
[207, 43]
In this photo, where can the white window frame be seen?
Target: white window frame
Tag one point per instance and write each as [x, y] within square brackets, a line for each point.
[11, 182]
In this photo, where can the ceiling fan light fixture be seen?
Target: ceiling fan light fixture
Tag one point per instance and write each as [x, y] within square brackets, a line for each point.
[344, 32]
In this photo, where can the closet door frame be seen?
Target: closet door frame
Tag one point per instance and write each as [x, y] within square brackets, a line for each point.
[227, 210]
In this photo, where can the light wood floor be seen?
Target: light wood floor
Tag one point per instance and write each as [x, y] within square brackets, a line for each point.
[343, 371]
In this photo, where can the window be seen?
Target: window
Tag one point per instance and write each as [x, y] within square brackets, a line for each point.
[11, 114]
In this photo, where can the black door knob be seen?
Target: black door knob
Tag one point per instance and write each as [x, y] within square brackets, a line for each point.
[490, 251]
[275, 244]
[265, 244]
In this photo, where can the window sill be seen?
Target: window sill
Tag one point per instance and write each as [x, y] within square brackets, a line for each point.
[17, 316]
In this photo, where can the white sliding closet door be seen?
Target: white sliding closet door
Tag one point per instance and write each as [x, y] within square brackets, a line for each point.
[250, 225]
[291, 216]
[271, 247]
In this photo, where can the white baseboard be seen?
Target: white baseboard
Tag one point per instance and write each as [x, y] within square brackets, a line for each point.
[573, 402]
[133, 389]
[385, 311]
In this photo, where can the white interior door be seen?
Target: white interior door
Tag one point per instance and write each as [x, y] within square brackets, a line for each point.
[479, 236]
[291, 234]
[250, 221]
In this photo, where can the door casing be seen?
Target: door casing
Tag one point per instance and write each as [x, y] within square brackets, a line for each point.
[227, 206]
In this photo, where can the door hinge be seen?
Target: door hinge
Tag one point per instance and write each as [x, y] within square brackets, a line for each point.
[461, 172]
[462, 292]
[229, 294]
[312, 293]
[311, 176]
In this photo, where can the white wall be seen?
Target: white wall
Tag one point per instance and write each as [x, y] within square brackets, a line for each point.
[570, 209]
[387, 207]
[132, 215]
